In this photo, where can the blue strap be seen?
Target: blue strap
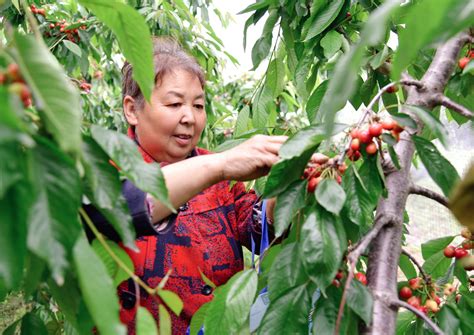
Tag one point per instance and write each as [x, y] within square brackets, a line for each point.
[264, 242]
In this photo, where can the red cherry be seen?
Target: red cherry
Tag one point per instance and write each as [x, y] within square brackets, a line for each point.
[405, 293]
[470, 54]
[339, 179]
[388, 124]
[423, 309]
[432, 305]
[392, 89]
[13, 71]
[396, 127]
[355, 133]
[449, 251]
[3, 78]
[371, 149]
[361, 277]
[342, 168]
[355, 144]
[313, 182]
[463, 62]
[415, 283]
[339, 275]
[336, 283]
[468, 245]
[375, 129]
[460, 253]
[414, 301]
[365, 136]
[396, 135]
[353, 155]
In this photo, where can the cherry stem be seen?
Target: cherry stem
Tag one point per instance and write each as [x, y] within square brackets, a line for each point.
[425, 276]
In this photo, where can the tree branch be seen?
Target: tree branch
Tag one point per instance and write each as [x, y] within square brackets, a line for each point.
[416, 189]
[420, 314]
[453, 106]
[426, 277]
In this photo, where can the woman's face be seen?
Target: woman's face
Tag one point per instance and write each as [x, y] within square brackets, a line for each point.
[170, 127]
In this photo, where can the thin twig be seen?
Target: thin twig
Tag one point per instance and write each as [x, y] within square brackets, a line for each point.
[416, 189]
[453, 106]
[417, 312]
[353, 257]
[426, 277]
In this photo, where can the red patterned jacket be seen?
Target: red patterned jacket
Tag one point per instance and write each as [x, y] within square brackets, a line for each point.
[207, 234]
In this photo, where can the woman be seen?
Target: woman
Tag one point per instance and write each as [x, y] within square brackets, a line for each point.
[214, 220]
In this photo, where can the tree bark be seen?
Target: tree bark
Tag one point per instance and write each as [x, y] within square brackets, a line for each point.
[386, 248]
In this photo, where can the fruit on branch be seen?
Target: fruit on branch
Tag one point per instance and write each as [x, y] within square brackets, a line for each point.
[449, 251]
[415, 283]
[460, 253]
[467, 262]
[468, 244]
[414, 301]
[313, 183]
[375, 129]
[361, 277]
[432, 305]
[339, 275]
[371, 148]
[388, 124]
[463, 62]
[355, 144]
[365, 137]
[405, 293]
[449, 289]
[392, 89]
[13, 72]
[353, 155]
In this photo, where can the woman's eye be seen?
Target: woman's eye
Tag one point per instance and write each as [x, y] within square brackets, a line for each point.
[199, 106]
[175, 105]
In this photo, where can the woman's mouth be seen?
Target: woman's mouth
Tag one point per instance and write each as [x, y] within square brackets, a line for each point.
[183, 139]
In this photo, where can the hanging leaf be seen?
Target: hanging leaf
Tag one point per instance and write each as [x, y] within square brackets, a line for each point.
[124, 152]
[407, 266]
[275, 78]
[287, 204]
[165, 321]
[172, 300]
[439, 168]
[261, 50]
[358, 206]
[146, 323]
[115, 272]
[431, 247]
[431, 122]
[231, 304]
[462, 199]
[56, 98]
[360, 300]
[242, 123]
[323, 18]
[133, 36]
[323, 242]
[97, 289]
[312, 106]
[330, 195]
[331, 43]
[448, 320]
[437, 265]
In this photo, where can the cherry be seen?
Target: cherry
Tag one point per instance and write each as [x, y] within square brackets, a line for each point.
[355, 133]
[353, 155]
[467, 244]
[375, 129]
[365, 136]
[361, 277]
[339, 275]
[392, 89]
[449, 289]
[432, 305]
[3, 78]
[466, 233]
[449, 251]
[414, 301]
[336, 283]
[463, 62]
[313, 182]
[415, 283]
[51, 26]
[342, 168]
[388, 124]
[371, 148]
[355, 144]
[13, 71]
[467, 262]
[396, 135]
[396, 127]
[423, 309]
[339, 179]
[405, 293]
[460, 253]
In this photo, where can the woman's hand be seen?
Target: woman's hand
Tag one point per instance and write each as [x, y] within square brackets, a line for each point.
[251, 159]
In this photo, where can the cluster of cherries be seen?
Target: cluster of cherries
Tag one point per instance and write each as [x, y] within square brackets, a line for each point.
[85, 86]
[366, 138]
[71, 30]
[414, 292]
[466, 59]
[16, 85]
[38, 11]
[316, 172]
[461, 252]
[360, 276]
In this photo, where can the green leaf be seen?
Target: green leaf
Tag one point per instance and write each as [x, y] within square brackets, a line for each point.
[97, 289]
[133, 35]
[172, 300]
[56, 98]
[12, 329]
[165, 321]
[53, 222]
[407, 266]
[261, 50]
[113, 269]
[358, 206]
[322, 245]
[360, 301]
[325, 314]
[197, 320]
[404, 320]
[261, 108]
[323, 18]
[231, 304]
[331, 43]
[312, 106]
[420, 33]
[448, 320]
[104, 190]
[431, 122]
[32, 324]
[242, 123]
[286, 272]
[437, 265]
[124, 152]
[256, 6]
[330, 195]
[439, 168]
[431, 247]
[68, 297]
[288, 314]
[275, 78]
[469, 69]
[73, 47]
[394, 157]
[404, 120]
[146, 323]
[287, 204]
[35, 267]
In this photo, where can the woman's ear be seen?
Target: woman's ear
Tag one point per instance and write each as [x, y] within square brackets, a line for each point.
[130, 110]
